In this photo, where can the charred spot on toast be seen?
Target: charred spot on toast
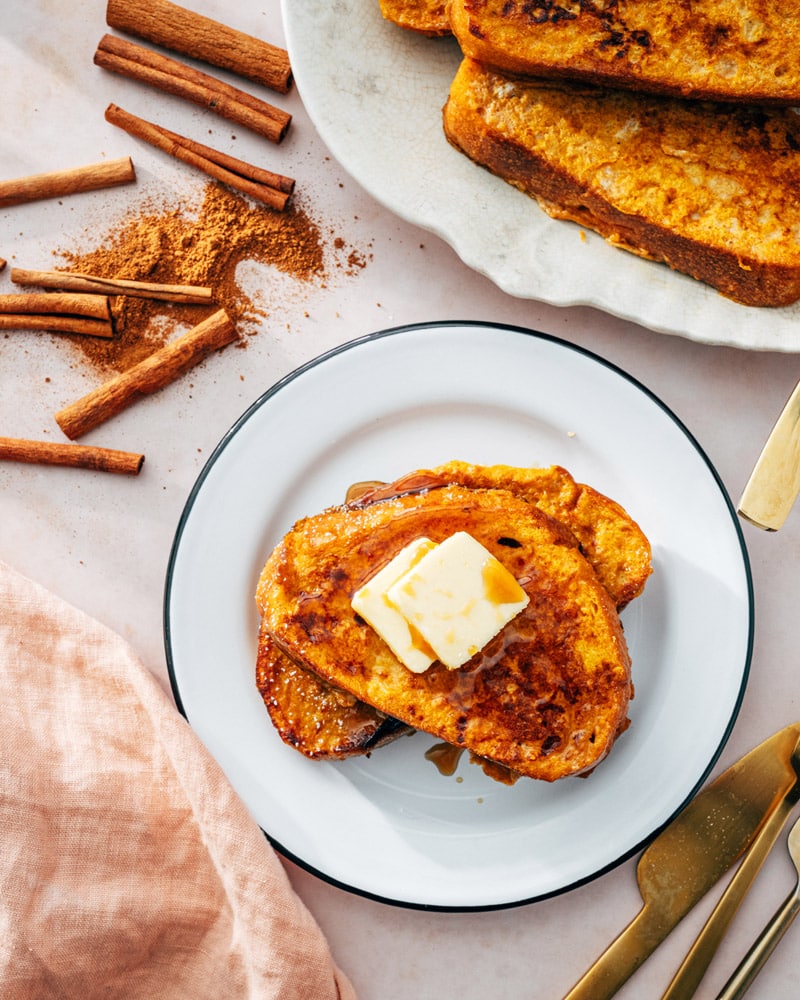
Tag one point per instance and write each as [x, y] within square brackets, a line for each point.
[726, 51]
[615, 31]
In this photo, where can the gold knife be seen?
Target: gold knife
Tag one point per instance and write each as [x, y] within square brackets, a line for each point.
[706, 838]
[774, 483]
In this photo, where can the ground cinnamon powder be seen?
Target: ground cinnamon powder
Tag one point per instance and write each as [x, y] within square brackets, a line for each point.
[194, 246]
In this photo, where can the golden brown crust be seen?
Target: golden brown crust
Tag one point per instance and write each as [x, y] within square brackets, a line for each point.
[426, 17]
[546, 698]
[707, 49]
[709, 190]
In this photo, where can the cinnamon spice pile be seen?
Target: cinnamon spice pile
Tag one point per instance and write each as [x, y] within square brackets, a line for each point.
[185, 245]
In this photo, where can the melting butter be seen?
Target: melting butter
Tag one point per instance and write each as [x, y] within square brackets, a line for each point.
[440, 602]
[371, 602]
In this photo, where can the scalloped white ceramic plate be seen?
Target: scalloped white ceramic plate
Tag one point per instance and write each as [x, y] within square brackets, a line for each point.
[375, 93]
[390, 826]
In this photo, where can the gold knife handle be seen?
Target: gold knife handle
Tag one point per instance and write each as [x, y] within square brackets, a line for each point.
[775, 480]
[622, 957]
[698, 959]
[765, 944]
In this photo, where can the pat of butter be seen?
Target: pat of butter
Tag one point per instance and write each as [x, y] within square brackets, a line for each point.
[458, 596]
[371, 603]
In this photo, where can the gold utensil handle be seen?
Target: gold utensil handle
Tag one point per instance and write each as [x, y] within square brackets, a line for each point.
[695, 850]
[621, 958]
[763, 947]
[775, 481]
[693, 968]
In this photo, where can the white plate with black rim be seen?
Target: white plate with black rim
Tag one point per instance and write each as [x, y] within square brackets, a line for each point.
[390, 826]
[375, 93]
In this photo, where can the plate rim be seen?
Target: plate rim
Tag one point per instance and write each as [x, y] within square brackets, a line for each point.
[385, 333]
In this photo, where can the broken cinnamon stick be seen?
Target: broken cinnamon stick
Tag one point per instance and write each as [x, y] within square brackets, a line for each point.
[65, 182]
[145, 66]
[57, 304]
[263, 185]
[202, 38]
[76, 281]
[74, 455]
[157, 371]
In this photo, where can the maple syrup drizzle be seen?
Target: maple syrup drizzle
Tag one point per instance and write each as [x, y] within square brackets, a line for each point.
[445, 757]
[372, 491]
[355, 491]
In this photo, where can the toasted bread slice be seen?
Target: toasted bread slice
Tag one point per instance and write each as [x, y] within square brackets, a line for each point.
[545, 698]
[426, 17]
[611, 540]
[313, 716]
[710, 49]
[710, 190]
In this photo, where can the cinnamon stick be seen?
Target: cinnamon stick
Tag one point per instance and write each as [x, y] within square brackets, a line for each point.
[65, 182]
[3, 263]
[138, 63]
[162, 367]
[76, 281]
[57, 304]
[202, 38]
[74, 455]
[57, 324]
[263, 185]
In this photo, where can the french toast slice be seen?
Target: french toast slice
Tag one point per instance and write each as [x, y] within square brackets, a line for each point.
[426, 17]
[610, 539]
[710, 49]
[710, 190]
[313, 716]
[545, 698]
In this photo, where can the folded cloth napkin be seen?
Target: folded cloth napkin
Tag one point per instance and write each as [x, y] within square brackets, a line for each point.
[128, 865]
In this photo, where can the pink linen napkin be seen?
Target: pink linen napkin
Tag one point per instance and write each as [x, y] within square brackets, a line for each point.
[128, 865]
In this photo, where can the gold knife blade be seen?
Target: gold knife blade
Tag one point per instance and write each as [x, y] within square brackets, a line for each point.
[692, 853]
[774, 483]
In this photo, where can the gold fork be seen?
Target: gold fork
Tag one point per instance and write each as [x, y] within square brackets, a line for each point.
[767, 941]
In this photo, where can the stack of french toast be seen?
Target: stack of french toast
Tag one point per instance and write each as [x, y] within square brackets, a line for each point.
[669, 128]
[544, 696]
